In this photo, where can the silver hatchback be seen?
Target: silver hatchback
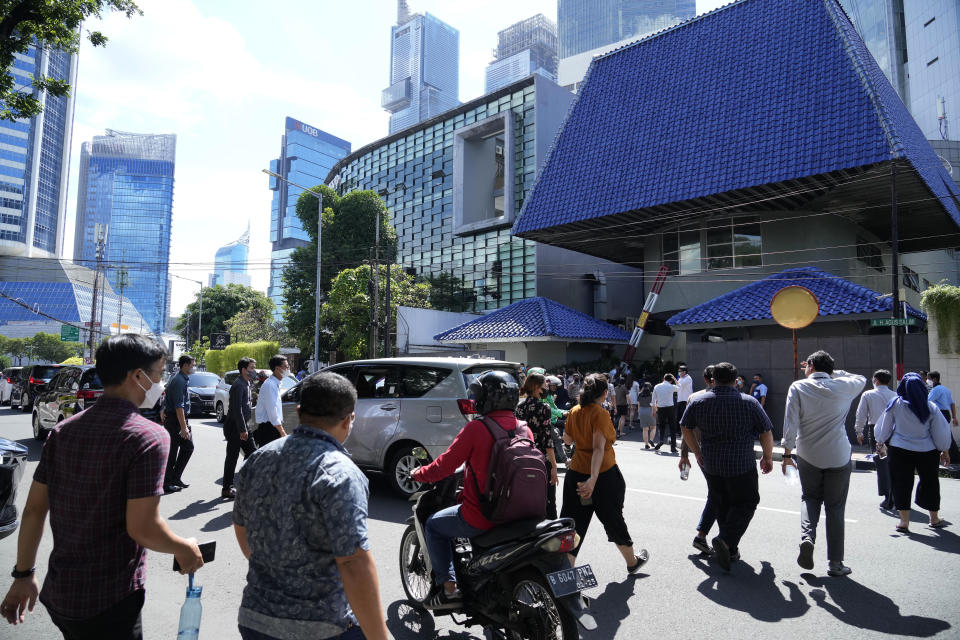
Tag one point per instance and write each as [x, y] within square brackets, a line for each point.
[404, 403]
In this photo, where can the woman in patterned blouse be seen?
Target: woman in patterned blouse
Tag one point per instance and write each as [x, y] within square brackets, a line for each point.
[536, 413]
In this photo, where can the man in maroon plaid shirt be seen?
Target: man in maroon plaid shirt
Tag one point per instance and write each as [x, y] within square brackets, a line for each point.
[100, 477]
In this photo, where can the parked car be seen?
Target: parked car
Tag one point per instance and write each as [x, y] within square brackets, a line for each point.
[72, 390]
[33, 380]
[222, 394]
[404, 403]
[201, 387]
[13, 461]
[7, 381]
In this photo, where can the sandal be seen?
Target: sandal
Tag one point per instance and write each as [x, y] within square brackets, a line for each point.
[641, 558]
[939, 524]
[903, 529]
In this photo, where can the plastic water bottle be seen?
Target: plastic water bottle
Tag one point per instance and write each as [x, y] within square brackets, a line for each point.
[190, 613]
[792, 476]
[684, 470]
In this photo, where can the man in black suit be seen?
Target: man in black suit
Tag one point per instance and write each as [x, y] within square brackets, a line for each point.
[235, 428]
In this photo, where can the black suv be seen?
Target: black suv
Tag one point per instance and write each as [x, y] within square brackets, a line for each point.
[72, 390]
[33, 380]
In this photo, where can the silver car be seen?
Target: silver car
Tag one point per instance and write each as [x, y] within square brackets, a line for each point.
[404, 403]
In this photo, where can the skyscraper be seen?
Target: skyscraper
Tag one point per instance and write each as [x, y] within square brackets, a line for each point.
[36, 160]
[126, 183]
[591, 27]
[881, 26]
[529, 46]
[306, 156]
[230, 263]
[424, 68]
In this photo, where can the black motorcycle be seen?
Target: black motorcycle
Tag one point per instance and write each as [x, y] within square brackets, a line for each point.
[516, 579]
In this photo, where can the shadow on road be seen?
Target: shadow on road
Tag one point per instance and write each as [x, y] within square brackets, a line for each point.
[384, 504]
[34, 448]
[222, 521]
[756, 594]
[196, 509]
[864, 608]
[611, 607]
[407, 622]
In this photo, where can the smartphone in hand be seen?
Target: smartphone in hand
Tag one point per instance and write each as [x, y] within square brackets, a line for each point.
[208, 550]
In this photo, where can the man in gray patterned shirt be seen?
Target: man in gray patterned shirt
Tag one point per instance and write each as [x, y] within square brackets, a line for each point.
[301, 521]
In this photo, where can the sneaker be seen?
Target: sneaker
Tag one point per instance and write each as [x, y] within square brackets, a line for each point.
[228, 494]
[181, 484]
[646, 446]
[805, 559]
[657, 447]
[838, 569]
[700, 544]
[443, 600]
[170, 488]
[722, 552]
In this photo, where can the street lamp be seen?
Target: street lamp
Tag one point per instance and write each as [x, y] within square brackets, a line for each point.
[200, 313]
[316, 311]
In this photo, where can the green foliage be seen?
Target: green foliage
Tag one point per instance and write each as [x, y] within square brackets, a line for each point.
[226, 360]
[347, 312]
[942, 301]
[448, 293]
[18, 348]
[254, 325]
[349, 238]
[5, 361]
[198, 350]
[56, 24]
[42, 346]
[220, 303]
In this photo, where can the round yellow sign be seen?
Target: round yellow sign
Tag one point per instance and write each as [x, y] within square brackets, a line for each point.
[794, 307]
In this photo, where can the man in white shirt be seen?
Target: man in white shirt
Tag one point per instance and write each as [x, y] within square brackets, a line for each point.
[665, 411]
[269, 411]
[685, 382]
[872, 405]
[814, 424]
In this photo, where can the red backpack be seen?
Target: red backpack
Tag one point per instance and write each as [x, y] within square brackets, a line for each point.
[516, 476]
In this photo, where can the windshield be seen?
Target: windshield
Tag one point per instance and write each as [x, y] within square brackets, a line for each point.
[289, 381]
[44, 373]
[204, 379]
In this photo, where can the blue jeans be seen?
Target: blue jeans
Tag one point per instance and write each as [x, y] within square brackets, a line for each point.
[442, 527]
[353, 633]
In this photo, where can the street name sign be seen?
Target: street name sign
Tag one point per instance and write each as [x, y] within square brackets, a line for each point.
[69, 333]
[893, 322]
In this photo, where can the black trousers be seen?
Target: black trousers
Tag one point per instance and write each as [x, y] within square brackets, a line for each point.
[180, 450]
[735, 501]
[667, 422]
[234, 445]
[551, 496]
[119, 622]
[954, 452]
[266, 433]
[903, 463]
[607, 503]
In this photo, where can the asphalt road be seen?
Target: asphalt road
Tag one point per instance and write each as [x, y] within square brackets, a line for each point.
[901, 586]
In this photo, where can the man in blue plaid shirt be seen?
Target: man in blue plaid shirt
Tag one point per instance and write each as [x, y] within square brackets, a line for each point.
[720, 426]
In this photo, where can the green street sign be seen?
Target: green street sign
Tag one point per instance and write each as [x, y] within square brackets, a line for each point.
[893, 322]
[69, 334]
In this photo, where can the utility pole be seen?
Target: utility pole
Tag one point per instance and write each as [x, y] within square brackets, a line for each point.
[895, 264]
[100, 237]
[121, 282]
[387, 347]
[375, 311]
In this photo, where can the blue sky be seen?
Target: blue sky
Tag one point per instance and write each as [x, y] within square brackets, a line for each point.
[223, 75]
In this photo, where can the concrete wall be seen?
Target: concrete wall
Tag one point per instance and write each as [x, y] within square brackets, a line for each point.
[774, 360]
[947, 364]
[416, 328]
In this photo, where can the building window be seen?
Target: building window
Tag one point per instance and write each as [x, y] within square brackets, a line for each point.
[869, 254]
[726, 243]
[911, 279]
[483, 159]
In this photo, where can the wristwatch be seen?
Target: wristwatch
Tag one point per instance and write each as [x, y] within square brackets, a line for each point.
[22, 574]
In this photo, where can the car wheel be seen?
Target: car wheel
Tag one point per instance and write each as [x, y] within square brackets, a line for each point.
[39, 433]
[220, 415]
[401, 463]
[24, 405]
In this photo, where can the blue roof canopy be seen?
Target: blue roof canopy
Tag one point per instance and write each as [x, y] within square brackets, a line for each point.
[535, 319]
[837, 297]
[764, 103]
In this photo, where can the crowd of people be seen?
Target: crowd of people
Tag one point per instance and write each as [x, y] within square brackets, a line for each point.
[310, 570]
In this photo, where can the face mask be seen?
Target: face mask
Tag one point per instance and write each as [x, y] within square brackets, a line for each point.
[153, 393]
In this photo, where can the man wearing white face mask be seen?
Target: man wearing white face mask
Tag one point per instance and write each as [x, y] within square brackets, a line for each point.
[103, 516]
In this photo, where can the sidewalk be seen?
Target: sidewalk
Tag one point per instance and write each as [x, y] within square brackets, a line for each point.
[861, 461]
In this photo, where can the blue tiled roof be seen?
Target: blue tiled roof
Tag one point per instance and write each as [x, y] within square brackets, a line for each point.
[757, 92]
[837, 297]
[535, 318]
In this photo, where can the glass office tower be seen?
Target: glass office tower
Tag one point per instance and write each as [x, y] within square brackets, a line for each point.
[35, 161]
[424, 69]
[589, 24]
[126, 183]
[881, 25]
[529, 46]
[306, 156]
[933, 41]
[230, 262]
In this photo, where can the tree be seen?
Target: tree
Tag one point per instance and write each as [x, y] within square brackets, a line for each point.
[255, 325]
[54, 24]
[17, 348]
[198, 350]
[349, 238]
[220, 303]
[447, 293]
[346, 314]
[47, 346]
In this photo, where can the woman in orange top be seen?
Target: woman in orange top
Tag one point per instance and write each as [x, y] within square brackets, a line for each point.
[593, 482]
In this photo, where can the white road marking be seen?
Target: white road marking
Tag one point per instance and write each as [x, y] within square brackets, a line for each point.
[698, 499]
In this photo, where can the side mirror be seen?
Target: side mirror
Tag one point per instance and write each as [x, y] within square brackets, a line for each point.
[420, 454]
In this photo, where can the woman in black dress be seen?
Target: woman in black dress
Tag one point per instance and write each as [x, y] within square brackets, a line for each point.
[536, 413]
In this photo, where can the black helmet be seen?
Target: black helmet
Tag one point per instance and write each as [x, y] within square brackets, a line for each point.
[495, 390]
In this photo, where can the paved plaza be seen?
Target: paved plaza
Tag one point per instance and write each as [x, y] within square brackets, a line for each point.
[900, 586]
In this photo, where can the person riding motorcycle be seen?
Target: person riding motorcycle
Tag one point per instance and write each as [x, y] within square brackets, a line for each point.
[495, 395]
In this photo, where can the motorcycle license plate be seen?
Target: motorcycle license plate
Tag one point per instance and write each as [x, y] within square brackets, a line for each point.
[567, 581]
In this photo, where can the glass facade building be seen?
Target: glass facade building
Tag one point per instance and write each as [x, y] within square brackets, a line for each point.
[424, 69]
[126, 183]
[230, 262]
[589, 24]
[306, 156]
[35, 159]
[529, 46]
